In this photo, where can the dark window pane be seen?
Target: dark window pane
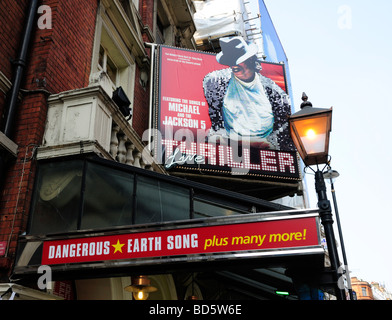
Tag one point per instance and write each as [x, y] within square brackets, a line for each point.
[56, 198]
[101, 57]
[111, 70]
[108, 198]
[159, 201]
[203, 209]
[207, 205]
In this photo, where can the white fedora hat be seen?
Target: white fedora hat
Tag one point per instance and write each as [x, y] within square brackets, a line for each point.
[235, 51]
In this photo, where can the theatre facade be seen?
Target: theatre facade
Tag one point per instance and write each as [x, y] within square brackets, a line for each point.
[125, 174]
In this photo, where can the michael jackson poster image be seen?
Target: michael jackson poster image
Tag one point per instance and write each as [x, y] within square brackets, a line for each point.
[225, 111]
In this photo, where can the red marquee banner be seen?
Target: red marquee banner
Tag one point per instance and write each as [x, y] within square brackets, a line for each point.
[251, 236]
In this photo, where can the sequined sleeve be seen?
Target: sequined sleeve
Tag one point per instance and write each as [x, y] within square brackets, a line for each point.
[281, 107]
[215, 85]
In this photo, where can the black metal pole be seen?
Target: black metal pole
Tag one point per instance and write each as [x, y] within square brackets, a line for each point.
[350, 290]
[327, 221]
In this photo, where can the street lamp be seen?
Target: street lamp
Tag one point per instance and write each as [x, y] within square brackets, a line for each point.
[310, 128]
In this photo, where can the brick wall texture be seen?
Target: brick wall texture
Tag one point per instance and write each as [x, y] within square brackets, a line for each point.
[59, 60]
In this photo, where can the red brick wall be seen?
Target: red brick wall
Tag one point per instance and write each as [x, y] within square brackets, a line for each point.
[59, 60]
[10, 33]
[63, 54]
[12, 18]
[140, 106]
[141, 95]
[10, 37]
[146, 8]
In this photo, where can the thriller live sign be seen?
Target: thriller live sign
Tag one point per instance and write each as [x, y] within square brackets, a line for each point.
[290, 233]
[223, 158]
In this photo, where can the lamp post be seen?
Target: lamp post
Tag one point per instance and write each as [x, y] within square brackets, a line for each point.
[331, 175]
[310, 128]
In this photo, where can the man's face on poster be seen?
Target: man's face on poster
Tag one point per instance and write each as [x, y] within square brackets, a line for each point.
[243, 72]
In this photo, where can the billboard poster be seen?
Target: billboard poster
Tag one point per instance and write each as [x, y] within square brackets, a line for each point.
[192, 243]
[224, 113]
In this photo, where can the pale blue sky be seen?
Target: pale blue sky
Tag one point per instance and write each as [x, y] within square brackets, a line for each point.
[348, 66]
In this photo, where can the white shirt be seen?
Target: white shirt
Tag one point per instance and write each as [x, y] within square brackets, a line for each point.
[246, 108]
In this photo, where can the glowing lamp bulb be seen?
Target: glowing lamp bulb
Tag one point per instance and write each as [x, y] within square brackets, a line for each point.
[140, 295]
[311, 134]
